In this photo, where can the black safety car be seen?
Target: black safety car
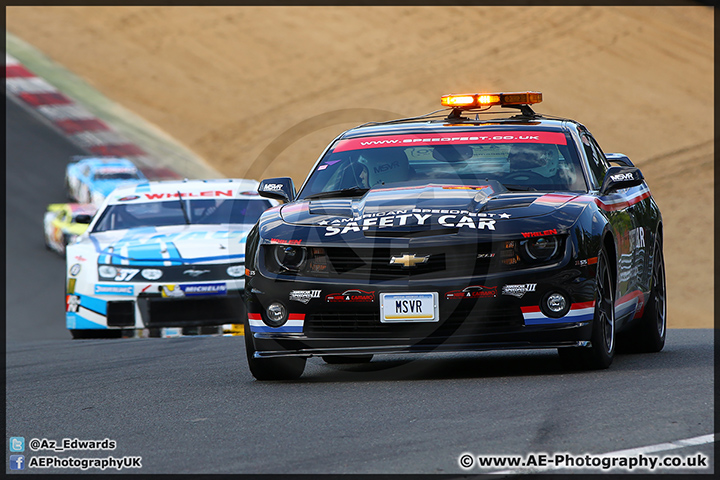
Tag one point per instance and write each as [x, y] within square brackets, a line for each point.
[470, 228]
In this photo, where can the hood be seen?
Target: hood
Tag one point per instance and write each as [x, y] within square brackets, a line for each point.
[429, 207]
[172, 245]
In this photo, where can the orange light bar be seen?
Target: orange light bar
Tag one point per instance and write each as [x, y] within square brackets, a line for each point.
[477, 100]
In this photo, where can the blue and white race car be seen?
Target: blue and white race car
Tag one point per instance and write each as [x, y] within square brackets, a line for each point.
[91, 179]
[163, 259]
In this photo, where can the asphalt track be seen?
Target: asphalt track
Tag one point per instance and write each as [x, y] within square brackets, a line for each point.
[190, 405]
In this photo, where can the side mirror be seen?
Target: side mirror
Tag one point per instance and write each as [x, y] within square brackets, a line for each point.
[84, 219]
[619, 158]
[279, 188]
[621, 177]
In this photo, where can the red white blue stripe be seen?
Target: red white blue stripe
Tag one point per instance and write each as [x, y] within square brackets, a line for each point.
[295, 324]
[579, 312]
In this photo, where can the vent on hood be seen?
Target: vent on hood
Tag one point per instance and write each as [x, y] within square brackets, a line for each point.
[508, 202]
[409, 233]
[341, 208]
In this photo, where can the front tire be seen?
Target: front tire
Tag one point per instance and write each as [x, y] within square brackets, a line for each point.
[649, 335]
[600, 355]
[283, 368]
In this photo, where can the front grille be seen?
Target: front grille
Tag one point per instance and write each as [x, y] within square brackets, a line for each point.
[375, 263]
[443, 262]
[190, 312]
[121, 314]
[185, 273]
[468, 317]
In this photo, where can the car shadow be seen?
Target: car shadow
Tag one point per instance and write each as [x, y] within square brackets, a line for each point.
[439, 367]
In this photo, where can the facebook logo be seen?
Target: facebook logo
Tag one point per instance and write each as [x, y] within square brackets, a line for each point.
[17, 462]
[17, 444]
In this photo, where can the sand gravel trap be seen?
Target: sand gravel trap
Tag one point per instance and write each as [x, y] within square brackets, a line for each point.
[259, 91]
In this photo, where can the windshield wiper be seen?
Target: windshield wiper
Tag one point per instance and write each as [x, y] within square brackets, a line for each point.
[520, 188]
[184, 209]
[345, 192]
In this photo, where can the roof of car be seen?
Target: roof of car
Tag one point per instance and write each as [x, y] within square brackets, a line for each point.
[469, 122]
[105, 161]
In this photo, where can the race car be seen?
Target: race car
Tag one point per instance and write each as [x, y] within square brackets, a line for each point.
[91, 179]
[64, 222]
[481, 226]
[163, 259]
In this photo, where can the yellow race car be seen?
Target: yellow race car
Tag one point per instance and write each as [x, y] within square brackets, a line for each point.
[63, 222]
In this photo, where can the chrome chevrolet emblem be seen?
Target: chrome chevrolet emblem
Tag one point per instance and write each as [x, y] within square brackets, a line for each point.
[408, 260]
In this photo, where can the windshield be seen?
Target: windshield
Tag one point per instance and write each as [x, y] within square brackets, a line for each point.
[520, 160]
[200, 212]
[116, 176]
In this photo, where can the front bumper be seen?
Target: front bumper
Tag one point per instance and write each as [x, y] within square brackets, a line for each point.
[498, 312]
[135, 306]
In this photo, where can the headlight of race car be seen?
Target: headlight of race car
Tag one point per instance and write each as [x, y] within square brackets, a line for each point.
[531, 251]
[106, 271]
[293, 259]
[236, 270]
[151, 273]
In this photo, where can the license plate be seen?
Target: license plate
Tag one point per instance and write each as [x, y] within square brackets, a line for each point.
[409, 307]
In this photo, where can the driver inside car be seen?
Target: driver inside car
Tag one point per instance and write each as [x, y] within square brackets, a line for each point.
[535, 158]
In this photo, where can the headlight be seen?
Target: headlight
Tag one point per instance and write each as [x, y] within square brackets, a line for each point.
[290, 259]
[539, 248]
[276, 314]
[151, 273]
[236, 270]
[106, 271]
[529, 251]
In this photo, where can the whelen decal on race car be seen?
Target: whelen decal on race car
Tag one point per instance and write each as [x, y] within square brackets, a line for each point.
[539, 234]
[556, 138]
[351, 296]
[285, 242]
[579, 312]
[206, 194]
[293, 325]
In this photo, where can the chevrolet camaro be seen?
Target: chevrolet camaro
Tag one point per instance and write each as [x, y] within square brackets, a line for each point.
[481, 226]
